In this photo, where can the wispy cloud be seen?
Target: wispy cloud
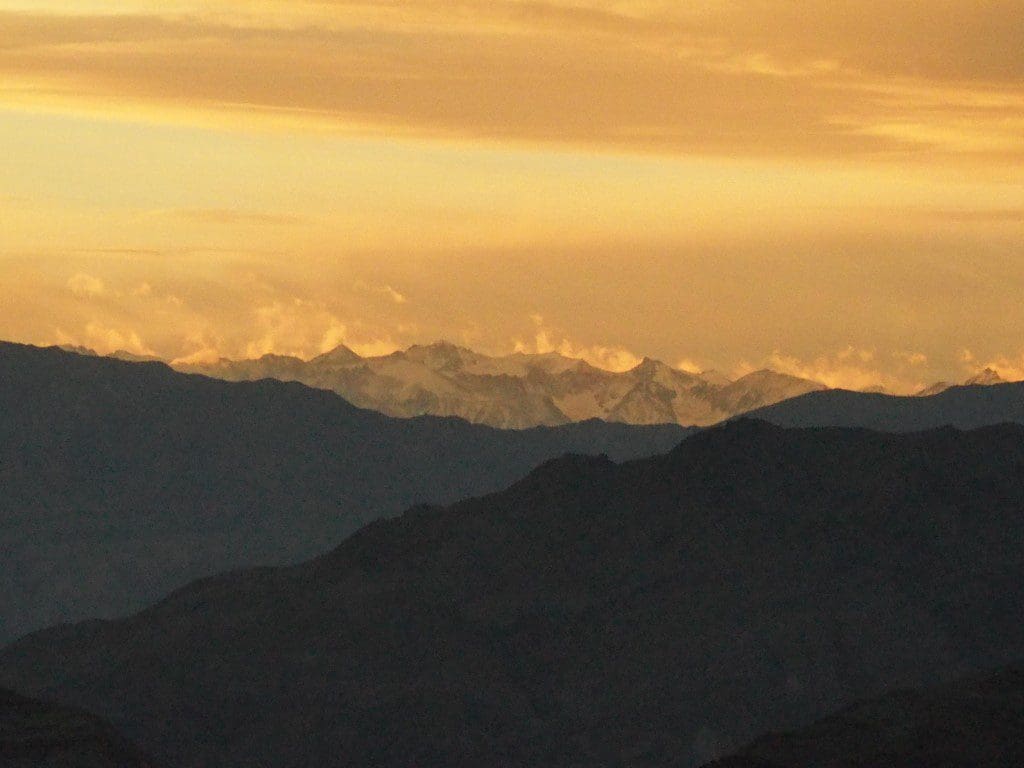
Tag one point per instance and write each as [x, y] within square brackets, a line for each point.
[807, 78]
[689, 366]
[386, 291]
[232, 217]
[979, 216]
[546, 340]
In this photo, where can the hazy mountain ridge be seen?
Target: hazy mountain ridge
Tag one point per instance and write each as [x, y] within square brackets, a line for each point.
[34, 734]
[518, 390]
[121, 481]
[984, 378]
[964, 407]
[659, 612]
[975, 723]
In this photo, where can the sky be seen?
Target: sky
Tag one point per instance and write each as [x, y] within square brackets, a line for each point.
[831, 188]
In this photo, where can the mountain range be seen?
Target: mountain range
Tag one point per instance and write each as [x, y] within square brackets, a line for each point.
[122, 481]
[523, 390]
[974, 723]
[518, 390]
[659, 612]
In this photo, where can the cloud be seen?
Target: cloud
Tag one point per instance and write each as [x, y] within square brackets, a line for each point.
[339, 334]
[852, 353]
[304, 328]
[825, 79]
[122, 251]
[689, 366]
[86, 286]
[394, 295]
[609, 358]
[978, 216]
[231, 217]
[287, 328]
[383, 290]
[196, 307]
[913, 358]
[1008, 367]
[850, 368]
[374, 348]
[335, 335]
[104, 339]
[202, 356]
[608, 303]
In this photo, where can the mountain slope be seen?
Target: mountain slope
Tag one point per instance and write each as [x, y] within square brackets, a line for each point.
[977, 723]
[934, 389]
[121, 481]
[964, 407]
[518, 390]
[35, 734]
[654, 613]
[761, 388]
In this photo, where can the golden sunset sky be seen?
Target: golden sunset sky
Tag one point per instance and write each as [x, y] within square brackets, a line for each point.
[832, 188]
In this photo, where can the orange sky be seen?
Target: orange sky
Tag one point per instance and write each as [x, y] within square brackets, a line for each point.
[834, 189]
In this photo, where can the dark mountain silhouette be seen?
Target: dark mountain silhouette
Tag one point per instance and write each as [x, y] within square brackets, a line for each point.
[965, 407]
[658, 612]
[34, 734]
[976, 723]
[122, 481]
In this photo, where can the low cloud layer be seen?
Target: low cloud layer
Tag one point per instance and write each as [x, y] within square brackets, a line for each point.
[545, 340]
[850, 368]
[247, 313]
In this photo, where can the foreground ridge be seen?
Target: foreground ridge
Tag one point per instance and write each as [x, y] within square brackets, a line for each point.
[662, 611]
[975, 723]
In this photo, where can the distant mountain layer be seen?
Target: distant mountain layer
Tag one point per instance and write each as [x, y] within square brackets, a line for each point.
[34, 734]
[985, 378]
[659, 612]
[965, 407]
[518, 390]
[977, 723]
[523, 390]
[121, 481]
